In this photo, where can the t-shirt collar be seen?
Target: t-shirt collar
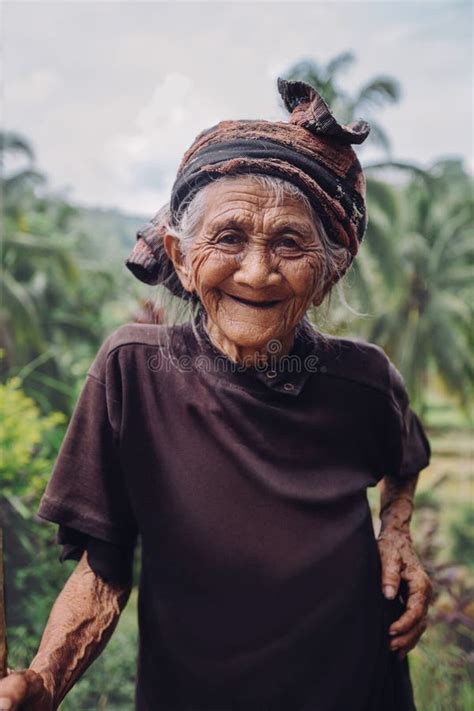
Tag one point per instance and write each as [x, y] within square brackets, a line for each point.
[285, 374]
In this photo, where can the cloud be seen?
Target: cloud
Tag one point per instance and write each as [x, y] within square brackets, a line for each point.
[169, 103]
[147, 158]
[112, 97]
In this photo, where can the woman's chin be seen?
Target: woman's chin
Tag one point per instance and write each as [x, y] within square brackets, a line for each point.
[242, 328]
[248, 338]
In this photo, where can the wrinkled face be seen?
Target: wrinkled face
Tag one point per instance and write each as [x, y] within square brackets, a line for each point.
[256, 264]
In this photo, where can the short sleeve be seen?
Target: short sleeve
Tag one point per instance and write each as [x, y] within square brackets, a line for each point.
[408, 449]
[87, 491]
[110, 561]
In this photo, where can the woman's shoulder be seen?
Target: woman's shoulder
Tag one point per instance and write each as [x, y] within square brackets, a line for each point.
[358, 360]
[131, 337]
[150, 334]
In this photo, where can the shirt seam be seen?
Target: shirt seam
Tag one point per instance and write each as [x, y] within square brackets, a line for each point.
[116, 433]
[135, 343]
[104, 385]
[94, 377]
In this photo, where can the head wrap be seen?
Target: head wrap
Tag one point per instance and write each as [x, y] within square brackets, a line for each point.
[312, 151]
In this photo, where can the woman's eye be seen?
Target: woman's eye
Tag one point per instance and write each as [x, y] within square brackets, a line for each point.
[288, 243]
[229, 239]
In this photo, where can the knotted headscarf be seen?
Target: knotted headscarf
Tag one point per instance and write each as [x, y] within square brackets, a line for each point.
[312, 151]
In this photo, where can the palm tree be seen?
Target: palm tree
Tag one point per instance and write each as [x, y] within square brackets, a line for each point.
[351, 307]
[372, 95]
[11, 142]
[25, 253]
[23, 179]
[50, 293]
[421, 260]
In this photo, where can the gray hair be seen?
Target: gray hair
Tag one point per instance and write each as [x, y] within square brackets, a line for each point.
[337, 257]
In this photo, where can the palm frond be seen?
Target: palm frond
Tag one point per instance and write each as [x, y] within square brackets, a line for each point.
[385, 196]
[22, 312]
[340, 63]
[378, 92]
[415, 170]
[15, 143]
[56, 252]
[21, 180]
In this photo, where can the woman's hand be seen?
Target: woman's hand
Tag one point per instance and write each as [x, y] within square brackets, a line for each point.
[24, 691]
[400, 562]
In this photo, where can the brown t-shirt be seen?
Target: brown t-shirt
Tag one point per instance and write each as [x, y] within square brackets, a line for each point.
[260, 581]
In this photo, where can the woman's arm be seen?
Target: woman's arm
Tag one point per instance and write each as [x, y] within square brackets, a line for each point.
[400, 562]
[80, 624]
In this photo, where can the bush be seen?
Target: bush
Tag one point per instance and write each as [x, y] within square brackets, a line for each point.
[29, 443]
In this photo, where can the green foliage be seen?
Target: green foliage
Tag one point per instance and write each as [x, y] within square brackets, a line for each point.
[29, 443]
[421, 249]
[413, 281]
[57, 284]
[25, 442]
[442, 664]
[440, 674]
[462, 535]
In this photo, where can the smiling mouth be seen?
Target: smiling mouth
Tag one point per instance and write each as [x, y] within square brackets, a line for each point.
[255, 304]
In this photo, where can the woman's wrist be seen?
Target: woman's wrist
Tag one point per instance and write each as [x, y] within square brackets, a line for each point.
[43, 676]
[397, 503]
[396, 514]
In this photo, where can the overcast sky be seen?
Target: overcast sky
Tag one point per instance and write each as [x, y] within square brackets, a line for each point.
[110, 94]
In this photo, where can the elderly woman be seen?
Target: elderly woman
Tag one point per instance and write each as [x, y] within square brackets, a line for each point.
[239, 446]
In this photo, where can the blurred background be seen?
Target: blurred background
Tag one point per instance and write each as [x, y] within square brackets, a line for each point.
[99, 102]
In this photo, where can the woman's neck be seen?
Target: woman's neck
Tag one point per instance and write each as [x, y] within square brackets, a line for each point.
[250, 356]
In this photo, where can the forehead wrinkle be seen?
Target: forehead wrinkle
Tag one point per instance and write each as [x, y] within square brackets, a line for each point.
[243, 217]
[255, 211]
[232, 215]
[245, 194]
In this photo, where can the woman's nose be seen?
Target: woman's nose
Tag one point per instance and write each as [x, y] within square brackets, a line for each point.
[256, 270]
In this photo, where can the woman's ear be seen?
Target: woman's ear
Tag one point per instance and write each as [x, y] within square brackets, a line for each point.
[321, 294]
[173, 250]
[331, 279]
[317, 300]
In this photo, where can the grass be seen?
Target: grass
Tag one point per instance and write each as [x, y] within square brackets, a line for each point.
[440, 674]
[442, 671]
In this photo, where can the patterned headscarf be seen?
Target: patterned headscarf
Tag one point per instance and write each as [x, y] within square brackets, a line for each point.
[312, 151]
